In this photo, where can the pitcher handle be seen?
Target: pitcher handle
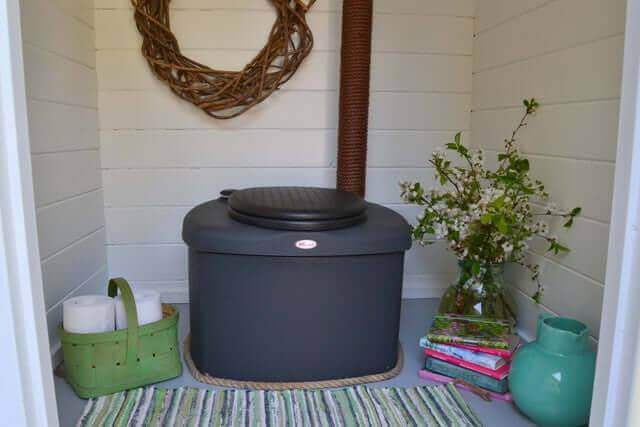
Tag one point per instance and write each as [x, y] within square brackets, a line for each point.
[541, 318]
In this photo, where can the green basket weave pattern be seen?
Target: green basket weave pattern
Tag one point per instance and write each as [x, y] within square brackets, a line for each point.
[104, 363]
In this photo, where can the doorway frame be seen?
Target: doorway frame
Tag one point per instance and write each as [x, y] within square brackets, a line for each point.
[27, 392]
[618, 365]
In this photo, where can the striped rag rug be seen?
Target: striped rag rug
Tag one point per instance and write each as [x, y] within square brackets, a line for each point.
[440, 405]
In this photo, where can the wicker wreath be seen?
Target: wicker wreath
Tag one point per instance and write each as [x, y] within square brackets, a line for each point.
[225, 94]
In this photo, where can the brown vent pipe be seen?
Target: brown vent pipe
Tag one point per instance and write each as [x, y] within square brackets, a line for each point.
[355, 65]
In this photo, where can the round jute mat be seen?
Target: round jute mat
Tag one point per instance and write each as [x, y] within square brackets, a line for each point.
[302, 385]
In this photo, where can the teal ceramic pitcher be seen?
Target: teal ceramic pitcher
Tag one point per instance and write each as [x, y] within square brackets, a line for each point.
[551, 379]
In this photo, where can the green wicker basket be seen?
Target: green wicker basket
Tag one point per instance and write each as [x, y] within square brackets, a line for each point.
[105, 363]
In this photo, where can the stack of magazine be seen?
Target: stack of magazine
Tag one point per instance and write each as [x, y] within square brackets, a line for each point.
[473, 349]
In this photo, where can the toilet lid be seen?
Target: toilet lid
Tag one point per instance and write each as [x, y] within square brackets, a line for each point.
[297, 208]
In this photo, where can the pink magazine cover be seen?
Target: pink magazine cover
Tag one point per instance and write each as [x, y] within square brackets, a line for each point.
[437, 378]
[499, 374]
[506, 353]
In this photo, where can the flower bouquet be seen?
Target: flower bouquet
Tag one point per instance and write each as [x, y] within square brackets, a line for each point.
[487, 216]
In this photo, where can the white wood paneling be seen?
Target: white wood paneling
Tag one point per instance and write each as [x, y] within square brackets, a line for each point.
[491, 13]
[186, 187]
[568, 55]
[58, 127]
[416, 7]
[61, 85]
[162, 110]
[61, 224]
[434, 258]
[420, 72]
[288, 109]
[53, 78]
[57, 176]
[122, 69]
[145, 225]
[79, 9]
[72, 39]
[411, 149]
[584, 73]
[566, 292]
[585, 130]
[214, 148]
[423, 111]
[248, 29]
[148, 262]
[422, 34]
[133, 149]
[588, 253]
[548, 29]
[68, 269]
[573, 182]
[321, 5]
[126, 69]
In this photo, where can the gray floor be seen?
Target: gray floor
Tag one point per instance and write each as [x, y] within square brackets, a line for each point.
[416, 317]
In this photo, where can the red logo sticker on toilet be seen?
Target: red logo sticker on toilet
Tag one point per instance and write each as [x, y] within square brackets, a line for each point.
[306, 244]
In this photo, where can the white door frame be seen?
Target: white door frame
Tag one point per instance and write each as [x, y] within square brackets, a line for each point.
[617, 365]
[27, 395]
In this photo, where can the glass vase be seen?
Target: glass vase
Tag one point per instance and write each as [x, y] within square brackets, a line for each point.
[479, 293]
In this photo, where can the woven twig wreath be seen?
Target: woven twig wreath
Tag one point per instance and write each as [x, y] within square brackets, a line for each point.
[225, 94]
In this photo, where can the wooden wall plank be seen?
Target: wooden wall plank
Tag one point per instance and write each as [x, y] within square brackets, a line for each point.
[587, 240]
[50, 77]
[287, 109]
[584, 73]
[72, 39]
[133, 149]
[574, 182]
[145, 225]
[147, 262]
[218, 148]
[586, 130]
[68, 269]
[58, 127]
[63, 223]
[430, 111]
[492, 13]
[565, 292]
[162, 110]
[418, 7]
[79, 9]
[57, 176]
[547, 29]
[211, 29]
[122, 69]
[126, 69]
[185, 187]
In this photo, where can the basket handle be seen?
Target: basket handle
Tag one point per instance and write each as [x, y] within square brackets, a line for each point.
[132, 316]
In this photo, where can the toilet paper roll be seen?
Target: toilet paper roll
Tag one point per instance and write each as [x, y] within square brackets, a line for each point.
[88, 314]
[148, 306]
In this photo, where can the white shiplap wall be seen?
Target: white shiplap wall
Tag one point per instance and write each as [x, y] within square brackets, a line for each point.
[568, 54]
[161, 156]
[59, 57]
